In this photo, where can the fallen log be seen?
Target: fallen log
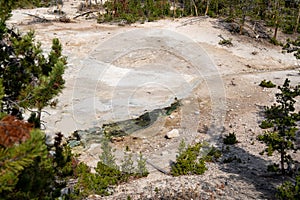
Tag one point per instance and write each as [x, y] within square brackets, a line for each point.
[85, 13]
[158, 168]
[43, 19]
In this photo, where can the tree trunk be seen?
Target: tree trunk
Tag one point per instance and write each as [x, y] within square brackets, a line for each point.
[242, 24]
[38, 117]
[282, 159]
[282, 152]
[207, 7]
[276, 30]
[174, 9]
[217, 7]
[297, 22]
[196, 9]
[231, 10]
[277, 16]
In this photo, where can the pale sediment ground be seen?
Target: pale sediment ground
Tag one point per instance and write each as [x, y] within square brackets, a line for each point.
[102, 87]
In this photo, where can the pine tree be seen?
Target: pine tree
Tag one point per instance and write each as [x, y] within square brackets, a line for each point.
[107, 157]
[141, 166]
[29, 78]
[13, 160]
[281, 118]
[28, 81]
[127, 162]
[297, 20]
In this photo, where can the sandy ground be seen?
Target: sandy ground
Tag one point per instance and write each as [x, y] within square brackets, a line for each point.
[118, 72]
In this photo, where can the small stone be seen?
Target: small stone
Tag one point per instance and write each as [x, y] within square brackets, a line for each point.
[197, 113]
[117, 139]
[187, 102]
[172, 134]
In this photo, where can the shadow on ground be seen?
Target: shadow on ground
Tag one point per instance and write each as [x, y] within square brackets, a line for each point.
[251, 169]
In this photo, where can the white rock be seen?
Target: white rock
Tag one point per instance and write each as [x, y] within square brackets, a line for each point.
[171, 116]
[172, 134]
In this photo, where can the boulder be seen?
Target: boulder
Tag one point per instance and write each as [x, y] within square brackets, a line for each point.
[172, 134]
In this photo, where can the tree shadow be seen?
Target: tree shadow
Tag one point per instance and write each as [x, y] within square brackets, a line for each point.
[251, 169]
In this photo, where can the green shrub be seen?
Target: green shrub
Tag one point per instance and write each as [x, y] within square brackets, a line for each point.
[266, 124]
[188, 163]
[267, 84]
[273, 168]
[212, 14]
[213, 154]
[230, 139]
[226, 42]
[100, 182]
[46, 174]
[96, 183]
[108, 173]
[275, 42]
[289, 191]
[288, 28]
[132, 11]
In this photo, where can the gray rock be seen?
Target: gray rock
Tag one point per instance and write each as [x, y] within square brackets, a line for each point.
[50, 140]
[73, 143]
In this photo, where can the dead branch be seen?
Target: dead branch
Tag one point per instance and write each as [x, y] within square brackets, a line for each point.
[85, 13]
[158, 168]
[43, 19]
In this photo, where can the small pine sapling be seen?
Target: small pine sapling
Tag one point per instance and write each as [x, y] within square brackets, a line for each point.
[230, 139]
[127, 163]
[141, 170]
[107, 156]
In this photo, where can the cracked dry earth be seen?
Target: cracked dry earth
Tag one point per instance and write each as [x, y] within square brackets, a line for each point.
[105, 89]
